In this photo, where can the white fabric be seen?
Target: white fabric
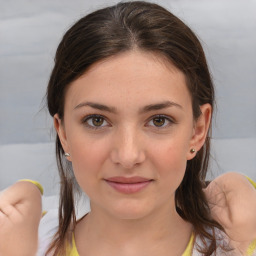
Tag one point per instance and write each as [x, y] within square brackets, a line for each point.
[47, 228]
[49, 223]
[221, 240]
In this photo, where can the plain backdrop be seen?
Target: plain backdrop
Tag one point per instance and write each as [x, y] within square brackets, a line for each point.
[29, 34]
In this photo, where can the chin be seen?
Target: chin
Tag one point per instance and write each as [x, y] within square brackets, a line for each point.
[131, 210]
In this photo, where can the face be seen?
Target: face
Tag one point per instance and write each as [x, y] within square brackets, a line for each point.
[128, 127]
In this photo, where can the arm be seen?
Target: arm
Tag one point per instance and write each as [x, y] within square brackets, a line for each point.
[232, 201]
[20, 214]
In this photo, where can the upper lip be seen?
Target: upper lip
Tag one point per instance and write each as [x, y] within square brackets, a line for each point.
[120, 179]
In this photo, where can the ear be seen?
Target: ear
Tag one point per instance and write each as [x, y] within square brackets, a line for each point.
[60, 129]
[201, 128]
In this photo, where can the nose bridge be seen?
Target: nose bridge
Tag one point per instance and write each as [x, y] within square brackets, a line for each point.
[127, 149]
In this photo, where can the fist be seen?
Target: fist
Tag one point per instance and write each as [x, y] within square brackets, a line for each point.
[232, 201]
[20, 214]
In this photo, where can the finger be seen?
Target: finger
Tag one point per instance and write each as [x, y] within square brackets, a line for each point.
[2, 218]
[2, 213]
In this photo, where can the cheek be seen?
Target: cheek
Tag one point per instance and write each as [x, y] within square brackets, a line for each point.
[170, 161]
[88, 156]
[173, 159]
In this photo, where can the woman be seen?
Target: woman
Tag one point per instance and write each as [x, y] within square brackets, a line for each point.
[132, 99]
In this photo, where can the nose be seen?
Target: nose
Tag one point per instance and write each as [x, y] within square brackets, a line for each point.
[127, 149]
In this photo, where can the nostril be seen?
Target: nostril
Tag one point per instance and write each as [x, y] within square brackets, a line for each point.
[127, 160]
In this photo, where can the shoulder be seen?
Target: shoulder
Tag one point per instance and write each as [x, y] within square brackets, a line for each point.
[47, 229]
[222, 242]
[223, 246]
[50, 222]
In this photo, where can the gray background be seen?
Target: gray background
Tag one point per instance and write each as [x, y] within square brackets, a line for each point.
[29, 34]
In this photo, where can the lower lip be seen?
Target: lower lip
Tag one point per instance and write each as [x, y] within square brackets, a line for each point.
[128, 188]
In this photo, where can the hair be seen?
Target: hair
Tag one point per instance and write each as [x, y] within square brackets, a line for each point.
[113, 30]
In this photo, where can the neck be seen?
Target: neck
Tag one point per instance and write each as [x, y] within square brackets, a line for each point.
[154, 234]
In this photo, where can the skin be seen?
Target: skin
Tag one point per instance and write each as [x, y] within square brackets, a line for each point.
[232, 200]
[129, 143]
[21, 209]
[20, 214]
[144, 223]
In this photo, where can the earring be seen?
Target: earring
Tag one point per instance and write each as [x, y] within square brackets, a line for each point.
[67, 154]
[192, 150]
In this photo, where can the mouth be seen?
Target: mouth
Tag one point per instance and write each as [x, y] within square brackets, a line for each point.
[128, 185]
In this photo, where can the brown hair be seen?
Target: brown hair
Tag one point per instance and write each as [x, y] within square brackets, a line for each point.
[108, 32]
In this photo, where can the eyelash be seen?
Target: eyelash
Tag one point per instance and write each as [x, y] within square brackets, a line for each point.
[90, 117]
[87, 118]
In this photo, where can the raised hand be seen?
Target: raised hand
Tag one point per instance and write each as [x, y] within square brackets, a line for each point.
[20, 214]
[232, 200]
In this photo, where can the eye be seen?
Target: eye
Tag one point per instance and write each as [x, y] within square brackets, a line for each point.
[95, 121]
[160, 121]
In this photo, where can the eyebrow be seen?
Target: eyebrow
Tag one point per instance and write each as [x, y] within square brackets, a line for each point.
[96, 106]
[159, 106]
[148, 108]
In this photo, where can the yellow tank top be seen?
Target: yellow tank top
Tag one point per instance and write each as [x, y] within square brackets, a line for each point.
[187, 252]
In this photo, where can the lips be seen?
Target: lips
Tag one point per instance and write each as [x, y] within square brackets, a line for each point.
[128, 185]
[135, 179]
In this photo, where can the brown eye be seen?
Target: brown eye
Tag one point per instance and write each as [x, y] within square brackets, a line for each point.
[97, 121]
[159, 121]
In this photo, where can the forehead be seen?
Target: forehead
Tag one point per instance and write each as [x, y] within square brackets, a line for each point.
[130, 79]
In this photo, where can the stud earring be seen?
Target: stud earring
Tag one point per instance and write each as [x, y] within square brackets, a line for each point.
[67, 154]
[192, 150]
